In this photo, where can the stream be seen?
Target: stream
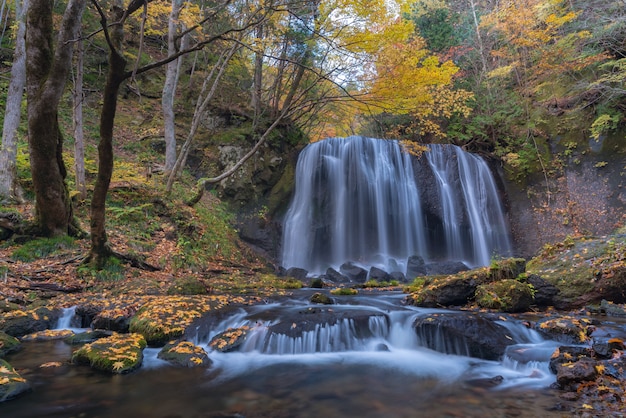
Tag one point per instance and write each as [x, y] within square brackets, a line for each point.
[360, 357]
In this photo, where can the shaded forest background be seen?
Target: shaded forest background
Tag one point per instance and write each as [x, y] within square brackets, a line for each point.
[535, 86]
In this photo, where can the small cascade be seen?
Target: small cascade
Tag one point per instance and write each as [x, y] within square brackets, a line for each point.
[67, 318]
[366, 201]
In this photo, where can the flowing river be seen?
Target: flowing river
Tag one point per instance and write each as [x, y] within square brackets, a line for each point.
[360, 357]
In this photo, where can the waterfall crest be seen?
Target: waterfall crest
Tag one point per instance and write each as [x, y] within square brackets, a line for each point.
[366, 201]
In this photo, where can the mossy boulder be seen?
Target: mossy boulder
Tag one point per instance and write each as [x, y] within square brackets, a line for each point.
[584, 270]
[456, 289]
[11, 383]
[22, 322]
[507, 268]
[8, 344]
[119, 353]
[188, 285]
[321, 298]
[505, 295]
[166, 318]
[184, 353]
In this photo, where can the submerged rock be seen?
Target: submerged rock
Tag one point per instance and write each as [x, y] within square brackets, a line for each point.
[465, 334]
[11, 383]
[119, 353]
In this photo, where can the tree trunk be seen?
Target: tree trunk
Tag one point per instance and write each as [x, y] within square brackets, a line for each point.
[9, 188]
[100, 250]
[46, 74]
[79, 140]
[169, 89]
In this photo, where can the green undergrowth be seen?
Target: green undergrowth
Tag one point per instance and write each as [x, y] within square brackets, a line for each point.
[42, 247]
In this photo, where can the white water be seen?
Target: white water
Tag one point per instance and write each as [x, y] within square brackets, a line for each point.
[387, 341]
[359, 199]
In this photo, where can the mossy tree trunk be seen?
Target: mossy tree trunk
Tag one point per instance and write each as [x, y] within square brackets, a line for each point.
[47, 69]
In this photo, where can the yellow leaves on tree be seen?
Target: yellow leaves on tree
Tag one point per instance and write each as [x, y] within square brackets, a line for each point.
[411, 80]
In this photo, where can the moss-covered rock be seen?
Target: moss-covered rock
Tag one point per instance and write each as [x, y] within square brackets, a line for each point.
[507, 268]
[456, 289]
[8, 344]
[166, 318]
[188, 285]
[184, 353]
[585, 270]
[321, 298]
[19, 322]
[11, 383]
[119, 353]
[505, 295]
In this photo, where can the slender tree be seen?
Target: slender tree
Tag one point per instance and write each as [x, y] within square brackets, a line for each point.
[9, 188]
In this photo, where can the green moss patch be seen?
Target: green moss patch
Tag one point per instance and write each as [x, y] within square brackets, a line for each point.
[8, 344]
[505, 295]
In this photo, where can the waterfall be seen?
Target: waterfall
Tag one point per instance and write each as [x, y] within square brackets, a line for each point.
[366, 201]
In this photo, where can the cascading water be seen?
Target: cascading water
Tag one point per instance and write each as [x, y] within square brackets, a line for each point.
[366, 201]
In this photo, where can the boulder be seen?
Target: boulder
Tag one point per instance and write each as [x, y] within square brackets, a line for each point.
[505, 295]
[321, 298]
[336, 277]
[296, 273]
[48, 335]
[11, 383]
[545, 292]
[117, 354]
[568, 330]
[507, 268]
[415, 267]
[87, 337]
[229, 340]
[444, 291]
[463, 333]
[19, 323]
[166, 318]
[379, 275]
[185, 354]
[444, 267]
[398, 276]
[355, 273]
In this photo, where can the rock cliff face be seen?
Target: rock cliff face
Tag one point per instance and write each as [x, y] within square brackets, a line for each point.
[586, 196]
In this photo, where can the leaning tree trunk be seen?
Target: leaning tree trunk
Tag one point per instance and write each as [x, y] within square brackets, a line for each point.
[46, 74]
[9, 188]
